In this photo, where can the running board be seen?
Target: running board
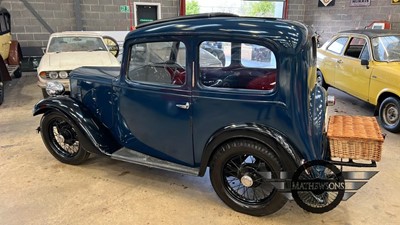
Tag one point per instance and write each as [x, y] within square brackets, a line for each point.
[131, 156]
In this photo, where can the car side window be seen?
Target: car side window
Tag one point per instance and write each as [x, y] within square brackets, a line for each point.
[355, 47]
[365, 52]
[158, 63]
[238, 66]
[7, 21]
[3, 25]
[338, 45]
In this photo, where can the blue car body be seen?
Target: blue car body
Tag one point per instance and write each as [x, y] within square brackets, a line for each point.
[143, 117]
[183, 113]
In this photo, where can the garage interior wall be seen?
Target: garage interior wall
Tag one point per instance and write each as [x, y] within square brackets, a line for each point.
[329, 20]
[96, 15]
[105, 15]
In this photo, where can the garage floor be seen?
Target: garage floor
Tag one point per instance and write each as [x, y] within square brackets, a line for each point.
[37, 189]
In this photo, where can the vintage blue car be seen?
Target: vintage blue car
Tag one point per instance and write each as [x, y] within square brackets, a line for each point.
[173, 105]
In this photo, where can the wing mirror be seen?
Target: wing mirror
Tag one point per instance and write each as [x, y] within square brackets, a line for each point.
[365, 62]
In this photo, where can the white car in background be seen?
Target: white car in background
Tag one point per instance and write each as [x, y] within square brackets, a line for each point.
[67, 51]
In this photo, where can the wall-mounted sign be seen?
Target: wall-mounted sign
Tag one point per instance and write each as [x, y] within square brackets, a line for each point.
[395, 1]
[124, 8]
[361, 2]
[324, 3]
[146, 12]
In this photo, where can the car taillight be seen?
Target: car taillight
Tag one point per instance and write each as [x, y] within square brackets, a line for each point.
[330, 101]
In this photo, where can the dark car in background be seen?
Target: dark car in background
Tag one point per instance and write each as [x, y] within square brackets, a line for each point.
[10, 52]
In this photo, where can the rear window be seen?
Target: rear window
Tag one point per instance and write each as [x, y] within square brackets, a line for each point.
[237, 66]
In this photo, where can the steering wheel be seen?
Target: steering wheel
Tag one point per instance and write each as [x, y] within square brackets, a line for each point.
[112, 45]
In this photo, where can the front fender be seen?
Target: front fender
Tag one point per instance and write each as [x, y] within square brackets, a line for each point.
[291, 159]
[100, 137]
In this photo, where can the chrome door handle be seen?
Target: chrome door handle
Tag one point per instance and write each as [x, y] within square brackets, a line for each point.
[339, 61]
[185, 106]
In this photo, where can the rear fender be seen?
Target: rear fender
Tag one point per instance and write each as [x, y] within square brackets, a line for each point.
[15, 56]
[101, 140]
[290, 158]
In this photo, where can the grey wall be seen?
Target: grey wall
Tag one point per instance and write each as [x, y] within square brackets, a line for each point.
[104, 15]
[342, 16]
[98, 15]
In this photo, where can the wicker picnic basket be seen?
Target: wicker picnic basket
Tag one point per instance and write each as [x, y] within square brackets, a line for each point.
[355, 137]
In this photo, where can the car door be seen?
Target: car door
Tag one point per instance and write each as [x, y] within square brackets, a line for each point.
[228, 89]
[155, 100]
[329, 58]
[350, 75]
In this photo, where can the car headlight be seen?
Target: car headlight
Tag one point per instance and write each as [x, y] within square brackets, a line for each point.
[54, 88]
[63, 74]
[53, 75]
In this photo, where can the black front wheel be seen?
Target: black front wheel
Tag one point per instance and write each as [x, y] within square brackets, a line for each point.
[237, 173]
[389, 114]
[17, 72]
[62, 138]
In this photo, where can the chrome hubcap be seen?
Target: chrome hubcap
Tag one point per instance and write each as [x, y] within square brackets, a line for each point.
[247, 181]
[391, 114]
[66, 140]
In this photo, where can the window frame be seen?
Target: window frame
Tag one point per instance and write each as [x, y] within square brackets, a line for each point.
[155, 84]
[344, 45]
[351, 38]
[239, 41]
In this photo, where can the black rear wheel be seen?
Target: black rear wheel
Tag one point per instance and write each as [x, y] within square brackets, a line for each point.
[237, 173]
[321, 80]
[1, 92]
[62, 138]
[389, 114]
[18, 73]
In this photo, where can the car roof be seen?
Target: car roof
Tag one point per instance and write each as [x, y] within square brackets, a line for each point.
[289, 34]
[76, 33]
[370, 32]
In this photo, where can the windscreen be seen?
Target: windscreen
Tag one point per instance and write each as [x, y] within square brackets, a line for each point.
[73, 44]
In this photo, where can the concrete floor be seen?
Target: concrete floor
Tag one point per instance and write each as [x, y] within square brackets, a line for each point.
[37, 189]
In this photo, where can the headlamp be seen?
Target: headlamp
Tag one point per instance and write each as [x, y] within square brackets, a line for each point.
[54, 88]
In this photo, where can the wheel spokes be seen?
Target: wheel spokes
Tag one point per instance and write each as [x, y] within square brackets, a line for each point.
[251, 168]
[317, 199]
[391, 114]
[64, 138]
